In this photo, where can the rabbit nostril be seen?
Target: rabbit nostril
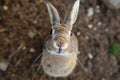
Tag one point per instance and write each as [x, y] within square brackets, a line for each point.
[58, 44]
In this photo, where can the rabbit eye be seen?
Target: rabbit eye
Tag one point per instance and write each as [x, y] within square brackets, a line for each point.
[71, 34]
[51, 31]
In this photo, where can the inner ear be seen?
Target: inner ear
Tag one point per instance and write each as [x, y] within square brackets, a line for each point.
[53, 13]
[71, 15]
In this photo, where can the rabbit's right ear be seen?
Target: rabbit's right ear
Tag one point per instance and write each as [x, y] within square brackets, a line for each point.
[54, 16]
[71, 15]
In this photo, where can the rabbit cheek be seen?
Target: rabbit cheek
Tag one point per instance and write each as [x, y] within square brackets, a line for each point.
[51, 47]
[67, 49]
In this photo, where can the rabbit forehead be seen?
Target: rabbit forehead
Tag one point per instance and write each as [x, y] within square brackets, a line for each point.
[61, 27]
[61, 30]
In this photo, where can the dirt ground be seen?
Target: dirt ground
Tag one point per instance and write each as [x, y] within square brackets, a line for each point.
[24, 24]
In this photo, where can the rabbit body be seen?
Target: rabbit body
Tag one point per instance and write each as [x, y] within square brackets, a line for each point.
[59, 55]
[60, 66]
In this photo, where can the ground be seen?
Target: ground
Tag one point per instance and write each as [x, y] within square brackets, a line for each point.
[24, 24]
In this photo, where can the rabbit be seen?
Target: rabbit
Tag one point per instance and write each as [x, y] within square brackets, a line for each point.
[59, 56]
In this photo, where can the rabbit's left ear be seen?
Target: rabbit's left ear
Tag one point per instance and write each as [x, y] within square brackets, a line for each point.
[71, 15]
[53, 13]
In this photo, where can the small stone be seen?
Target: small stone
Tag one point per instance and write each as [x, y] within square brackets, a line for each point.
[103, 79]
[35, 21]
[97, 9]
[90, 12]
[90, 26]
[5, 7]
[13, 75]
[106, 30]
[99, 23]
[31, 34]
[31, 50]
[94, 28]
[86, 37]
[90, 55]
[24, 47]
[78, 33]
[4, 65]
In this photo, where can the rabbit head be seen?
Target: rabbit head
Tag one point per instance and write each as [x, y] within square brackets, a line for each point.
[60, 41]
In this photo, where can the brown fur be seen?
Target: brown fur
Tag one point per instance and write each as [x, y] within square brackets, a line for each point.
[59, 56]
[59, 66]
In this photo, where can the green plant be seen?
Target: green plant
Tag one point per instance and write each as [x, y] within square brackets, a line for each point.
[114, 49]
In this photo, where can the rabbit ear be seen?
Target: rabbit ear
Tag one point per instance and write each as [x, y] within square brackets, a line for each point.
[71, 15]
[54, 16]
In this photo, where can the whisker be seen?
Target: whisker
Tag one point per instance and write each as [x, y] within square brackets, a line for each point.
[79, 62]
[36, 72]
[37, 58]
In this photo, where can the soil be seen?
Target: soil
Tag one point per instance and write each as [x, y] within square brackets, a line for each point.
[24, 24]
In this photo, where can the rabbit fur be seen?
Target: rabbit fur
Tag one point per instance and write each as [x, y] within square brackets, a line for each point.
[59, 56]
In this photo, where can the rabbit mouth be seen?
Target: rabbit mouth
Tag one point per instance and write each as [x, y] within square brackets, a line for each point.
[59, 50]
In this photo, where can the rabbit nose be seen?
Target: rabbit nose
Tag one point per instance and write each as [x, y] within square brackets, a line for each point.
[61, 43]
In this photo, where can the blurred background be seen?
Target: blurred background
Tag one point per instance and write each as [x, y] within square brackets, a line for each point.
[24, 24]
